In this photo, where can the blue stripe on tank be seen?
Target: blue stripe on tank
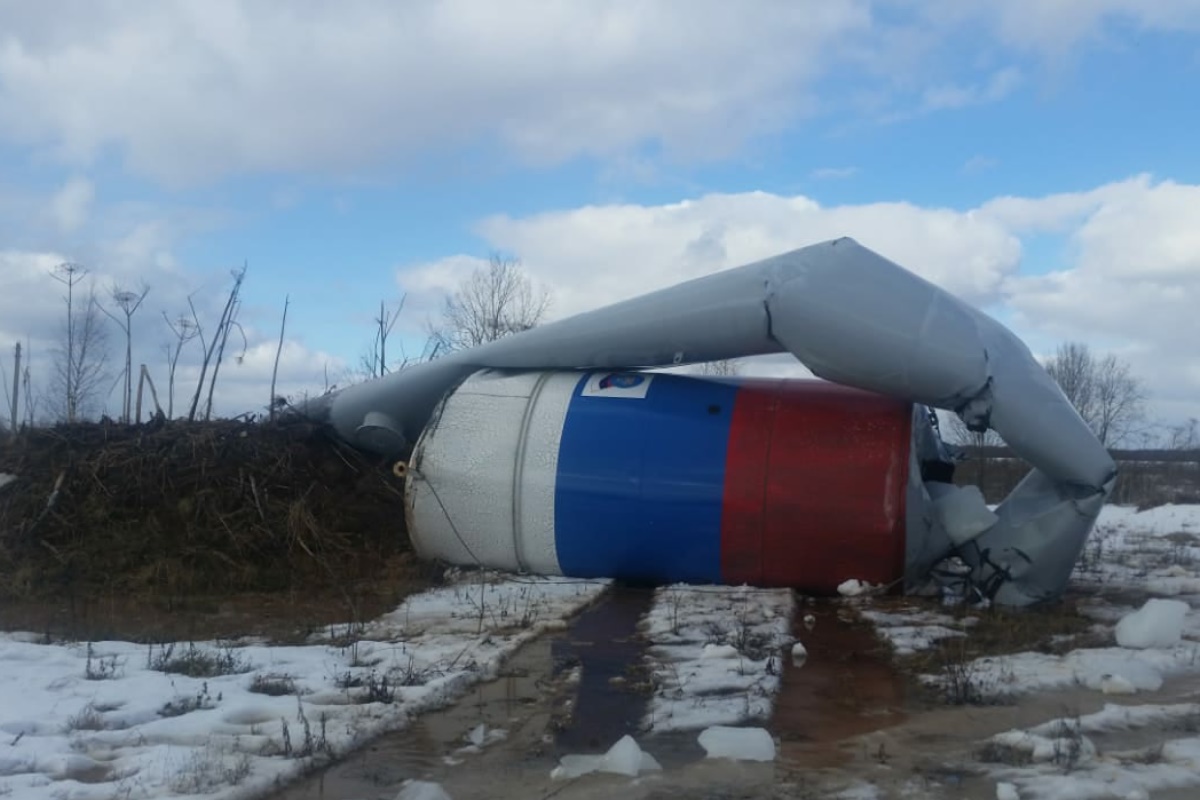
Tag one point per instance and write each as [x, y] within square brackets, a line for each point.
[641, 482]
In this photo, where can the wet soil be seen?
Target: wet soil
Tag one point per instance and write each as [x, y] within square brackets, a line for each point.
[579, 692]
[283, 617]
[847, 686]
[845, 716]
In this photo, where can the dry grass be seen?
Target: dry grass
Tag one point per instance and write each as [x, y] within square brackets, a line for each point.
[184, 509]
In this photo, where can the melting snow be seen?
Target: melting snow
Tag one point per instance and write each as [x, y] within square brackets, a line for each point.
[739, 744]
[716, 654]
[422, 790]
[913, 629]
[855, 588]
[1158, 623]
[138, 732]
[623, 758]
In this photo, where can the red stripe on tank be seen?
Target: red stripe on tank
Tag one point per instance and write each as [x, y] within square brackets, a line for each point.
[816, 475]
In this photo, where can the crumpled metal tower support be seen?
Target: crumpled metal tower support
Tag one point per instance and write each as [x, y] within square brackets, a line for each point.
[852, 317]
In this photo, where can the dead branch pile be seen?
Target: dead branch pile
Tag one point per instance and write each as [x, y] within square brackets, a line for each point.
[192, 508]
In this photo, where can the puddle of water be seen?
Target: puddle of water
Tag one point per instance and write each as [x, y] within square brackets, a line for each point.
[426, 749]
[847, 687]
[543, 715]
[604, 642]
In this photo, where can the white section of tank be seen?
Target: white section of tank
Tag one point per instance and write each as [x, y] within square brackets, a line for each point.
[482, 477]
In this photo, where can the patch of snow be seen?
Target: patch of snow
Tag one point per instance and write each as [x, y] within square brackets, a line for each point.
[1063, 742]
[1007, 791]
[1158, 623]
[422, 790]
[799, 654]
[1117, 717]
[738, 744]
[1116, 684]
[856, 588]
[137, 732]
[686, 624]
[1000, 676]
[623, 758]
[6, 479]
[720, 651]
[1061, 762]
[1153, 551]
[913, 629]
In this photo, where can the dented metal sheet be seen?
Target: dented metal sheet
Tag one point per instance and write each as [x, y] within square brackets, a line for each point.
[854, 318]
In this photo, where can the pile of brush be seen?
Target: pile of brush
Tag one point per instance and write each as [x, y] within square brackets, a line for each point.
[192, 508]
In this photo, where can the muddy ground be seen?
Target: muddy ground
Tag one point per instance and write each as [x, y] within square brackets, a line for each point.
[851, 714]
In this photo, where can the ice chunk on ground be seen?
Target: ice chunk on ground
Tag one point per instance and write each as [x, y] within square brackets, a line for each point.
[1117, 684]
[739, 744]
[1159, 623]
[623, 758]
[719, 651]
[422, 790]
[855, 587]
[799, 654]
[1007, 791]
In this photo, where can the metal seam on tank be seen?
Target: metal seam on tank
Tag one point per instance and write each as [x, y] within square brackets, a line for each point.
[519, 469]
[413, 476]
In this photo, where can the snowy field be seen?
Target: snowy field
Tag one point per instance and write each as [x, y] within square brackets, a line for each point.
[1141, 577]
[236, 719]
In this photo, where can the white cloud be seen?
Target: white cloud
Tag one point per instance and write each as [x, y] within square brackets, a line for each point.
[237, 85]
[72, 205]
[244, 382]
[1131, 284]
[189, 91]
[948, 96]
[605, 253]
[1052, 27]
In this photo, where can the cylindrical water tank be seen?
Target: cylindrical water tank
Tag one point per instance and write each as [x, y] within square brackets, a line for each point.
[664, 478]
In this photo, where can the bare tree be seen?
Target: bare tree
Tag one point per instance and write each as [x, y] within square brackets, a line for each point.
[128, 302]
[374, 364]
[79, 369]
[69, 274]
[492, 302]
[185, 330]
[216, 347]
[1105, 392]
[12, 400]
[1184, 436]
[27, 388]
[277, 401]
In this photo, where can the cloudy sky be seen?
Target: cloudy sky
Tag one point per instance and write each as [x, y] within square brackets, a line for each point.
[1036, 157]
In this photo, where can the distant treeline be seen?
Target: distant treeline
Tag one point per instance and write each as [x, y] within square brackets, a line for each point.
[1146, 478]
[1150, 456]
